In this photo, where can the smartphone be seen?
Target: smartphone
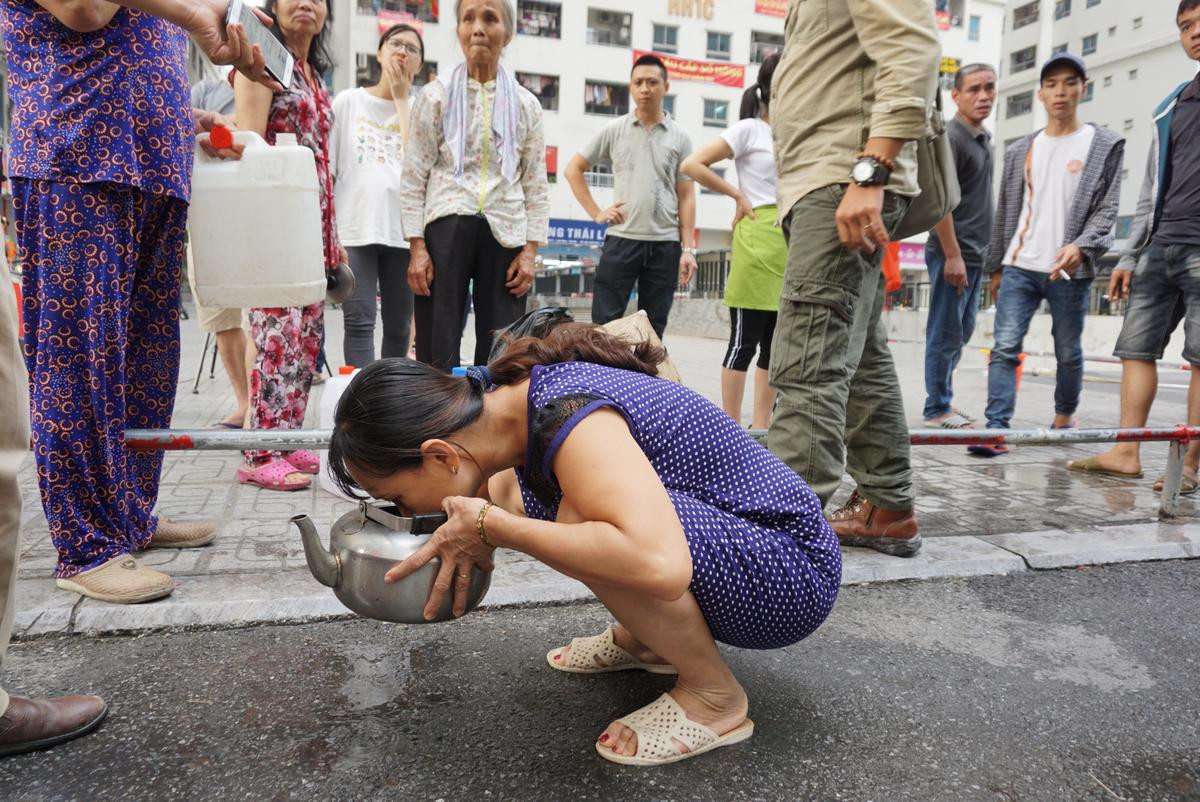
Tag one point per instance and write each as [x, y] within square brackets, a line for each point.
[278, 58]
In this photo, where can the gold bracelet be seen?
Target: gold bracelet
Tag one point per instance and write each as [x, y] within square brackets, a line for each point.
[483, 511]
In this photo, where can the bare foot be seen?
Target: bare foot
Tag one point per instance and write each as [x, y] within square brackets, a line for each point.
[938, 420]
[626, 641]
[719, 709]
[1118, 461]
[1189, 472]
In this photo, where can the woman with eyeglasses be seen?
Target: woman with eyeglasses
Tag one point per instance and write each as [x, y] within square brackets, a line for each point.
[370, 128]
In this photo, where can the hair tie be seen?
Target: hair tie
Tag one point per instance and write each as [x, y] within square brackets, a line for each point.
[479, 377]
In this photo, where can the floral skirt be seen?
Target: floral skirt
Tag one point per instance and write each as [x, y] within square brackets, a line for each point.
[288, 344]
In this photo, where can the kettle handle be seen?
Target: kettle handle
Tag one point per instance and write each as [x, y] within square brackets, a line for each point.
[427, 523]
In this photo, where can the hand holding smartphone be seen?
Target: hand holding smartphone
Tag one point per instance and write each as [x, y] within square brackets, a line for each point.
[279, 60]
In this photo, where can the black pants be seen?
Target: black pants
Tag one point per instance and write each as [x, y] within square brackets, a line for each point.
[653, 266]
[463, 249]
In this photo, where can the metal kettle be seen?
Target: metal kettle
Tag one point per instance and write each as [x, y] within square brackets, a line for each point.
[363, 545]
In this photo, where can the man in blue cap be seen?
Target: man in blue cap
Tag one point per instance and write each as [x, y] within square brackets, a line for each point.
[1054, 220]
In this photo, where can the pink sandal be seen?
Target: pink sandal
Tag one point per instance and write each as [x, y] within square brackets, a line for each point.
[272, 476]
[304, 461]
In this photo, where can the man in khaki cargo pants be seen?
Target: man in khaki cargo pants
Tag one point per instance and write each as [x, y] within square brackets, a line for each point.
[850, 93]
[25, 724]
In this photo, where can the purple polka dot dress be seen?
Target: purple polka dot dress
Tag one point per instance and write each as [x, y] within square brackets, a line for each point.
[766, 567]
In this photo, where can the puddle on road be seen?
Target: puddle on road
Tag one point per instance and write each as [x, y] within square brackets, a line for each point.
[379, 673]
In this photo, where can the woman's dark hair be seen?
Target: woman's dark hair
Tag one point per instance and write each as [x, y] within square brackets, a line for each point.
[399, 28]
[319, 57]
[392, 406]
[757, 98]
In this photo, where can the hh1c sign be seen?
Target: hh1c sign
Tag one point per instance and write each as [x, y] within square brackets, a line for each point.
[576, 232]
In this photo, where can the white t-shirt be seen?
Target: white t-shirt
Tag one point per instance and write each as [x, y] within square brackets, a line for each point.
[1053, 168]
[754, 157]
[366, 155]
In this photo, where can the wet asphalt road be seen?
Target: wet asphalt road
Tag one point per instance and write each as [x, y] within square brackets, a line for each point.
[1064, 685]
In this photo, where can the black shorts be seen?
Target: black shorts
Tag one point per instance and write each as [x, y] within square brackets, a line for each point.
[749, 329]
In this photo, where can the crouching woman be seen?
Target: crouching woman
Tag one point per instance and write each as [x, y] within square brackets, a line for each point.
[685, 528]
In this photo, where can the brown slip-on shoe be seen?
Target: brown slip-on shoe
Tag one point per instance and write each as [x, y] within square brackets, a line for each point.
[861, 523]
[182, 534]
[31, 724]
[121, 580]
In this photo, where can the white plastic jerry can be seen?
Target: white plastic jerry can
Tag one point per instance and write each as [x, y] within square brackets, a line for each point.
[255, 226]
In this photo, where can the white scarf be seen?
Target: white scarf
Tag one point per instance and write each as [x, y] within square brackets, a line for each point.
[504, 118]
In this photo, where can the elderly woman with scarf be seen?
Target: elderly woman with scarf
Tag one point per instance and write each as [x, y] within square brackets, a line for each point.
[474, 195]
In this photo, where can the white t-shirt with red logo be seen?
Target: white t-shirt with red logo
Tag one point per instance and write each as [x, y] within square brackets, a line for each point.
[1053, 168]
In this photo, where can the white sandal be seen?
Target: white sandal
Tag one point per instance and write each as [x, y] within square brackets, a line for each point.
[660, 724]
[584, 651]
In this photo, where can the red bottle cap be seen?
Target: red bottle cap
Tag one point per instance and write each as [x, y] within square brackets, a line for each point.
[220, 137]
[346, 370]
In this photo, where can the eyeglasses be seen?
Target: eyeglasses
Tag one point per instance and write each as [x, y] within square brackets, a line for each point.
[399, 44]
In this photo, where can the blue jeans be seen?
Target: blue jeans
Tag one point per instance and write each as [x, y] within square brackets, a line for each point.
[949, 327]
[1021, 293]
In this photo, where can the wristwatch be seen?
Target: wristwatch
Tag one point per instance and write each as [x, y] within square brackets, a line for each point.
[692, 251]
[868, 172]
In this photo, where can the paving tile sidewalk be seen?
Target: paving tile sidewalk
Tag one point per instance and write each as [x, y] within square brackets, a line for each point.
[978, 516]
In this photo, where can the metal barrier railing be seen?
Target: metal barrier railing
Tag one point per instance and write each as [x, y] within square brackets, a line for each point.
[294, 439]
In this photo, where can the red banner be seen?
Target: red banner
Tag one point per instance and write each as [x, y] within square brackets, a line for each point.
[388, 18]
[713, 72]
[772, 8]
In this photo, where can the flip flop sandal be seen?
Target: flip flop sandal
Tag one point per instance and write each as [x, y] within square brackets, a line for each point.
[304, 461]
[987, 450]
[272, 476]
[1187, 485]
[1092, 465]
[1070, 425]
[660, 724]
[584, 651]
[955, 421]
[222, 424]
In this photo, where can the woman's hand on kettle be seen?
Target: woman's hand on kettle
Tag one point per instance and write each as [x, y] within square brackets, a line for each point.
[420, 267]
[205, 122]
[343, 255]
[458, 545]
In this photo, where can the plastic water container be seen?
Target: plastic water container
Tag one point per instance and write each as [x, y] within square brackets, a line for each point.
[254, 225]
[334, 387]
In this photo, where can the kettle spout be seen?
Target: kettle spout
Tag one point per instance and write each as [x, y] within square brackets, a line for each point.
[325, 567]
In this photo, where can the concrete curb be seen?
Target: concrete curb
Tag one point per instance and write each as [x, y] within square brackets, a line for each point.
[226, 600]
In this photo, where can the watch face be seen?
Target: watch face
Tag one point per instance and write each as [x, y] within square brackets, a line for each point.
[863, 171]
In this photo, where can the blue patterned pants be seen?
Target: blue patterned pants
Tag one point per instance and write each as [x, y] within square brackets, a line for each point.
[102, 265]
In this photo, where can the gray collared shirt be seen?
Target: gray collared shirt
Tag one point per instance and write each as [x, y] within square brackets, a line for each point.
[645, 165]
[973, 218]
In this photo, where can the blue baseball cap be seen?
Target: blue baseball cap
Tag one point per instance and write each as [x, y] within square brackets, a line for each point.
[1064, 59]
